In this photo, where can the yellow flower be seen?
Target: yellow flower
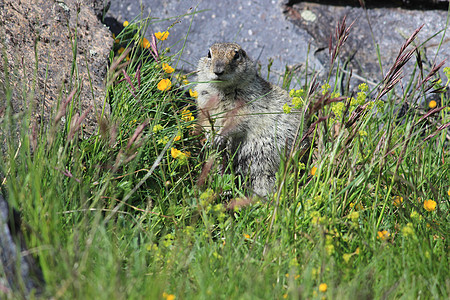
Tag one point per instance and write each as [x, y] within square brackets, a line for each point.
[429, 205]
[247, 236]
[168, 69]
[357, 251]
[194, 94]
[286, 108]
[168, 296]
[125, 24]
[157, 128]
[432, 104]
[313, 171]
[145, 43]
[397, 200]
[185, 82]
[121, 50]
[177, 138]
[323, 287]
[448, 192]
[285, 296]
[347, 257]
[408, 229]
[164, 85]
[175, 153]
[383, 235]
[186, 115]
[162, 35]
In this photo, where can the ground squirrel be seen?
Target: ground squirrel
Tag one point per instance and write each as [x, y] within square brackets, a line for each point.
[246, 114]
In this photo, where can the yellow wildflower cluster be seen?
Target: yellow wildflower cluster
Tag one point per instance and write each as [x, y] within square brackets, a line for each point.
[168, 69]
[164, 85]
[408, 230]
[432, 104]
[145, 43]
[157, 128]
[186, 115]
[177, 154]
[323, 287]
[297, 100]
[397, 201]
[162, 36]
[168, 296]
[429, 205]
[383, 235]
[325, 88]
[193, 94]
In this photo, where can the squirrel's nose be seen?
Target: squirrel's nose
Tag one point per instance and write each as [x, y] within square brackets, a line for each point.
[219, 69]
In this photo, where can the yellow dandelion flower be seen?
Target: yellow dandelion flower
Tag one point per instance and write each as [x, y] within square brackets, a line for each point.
[429, 205]
[164, 84]
[177, 138]
[383, 235]
[121, 50]
[170, 297]
[186, 115]
[194, 94]
[432, 104]
[448, 192]
[285, 296]
[357, 251]
[125, 24]
[168, 69]
[323, 287]
[185, 81]
[162, 35]
[247, 236]
[175, 152]
[397, 201]
[313, 171]
[145, 43]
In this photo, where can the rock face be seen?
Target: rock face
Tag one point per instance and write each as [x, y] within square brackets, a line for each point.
[258, 26]
[286, 30]
[40, 39]
[22, 273]
[386, 27]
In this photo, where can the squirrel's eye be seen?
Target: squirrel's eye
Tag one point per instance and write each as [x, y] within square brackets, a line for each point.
[237, 55]
[209, 54]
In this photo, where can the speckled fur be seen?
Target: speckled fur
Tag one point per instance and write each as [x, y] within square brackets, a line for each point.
[245, 112]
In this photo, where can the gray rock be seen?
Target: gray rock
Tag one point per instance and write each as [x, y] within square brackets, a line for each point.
[283, 32]
[18, 268]
[258, 26]
[49, 27]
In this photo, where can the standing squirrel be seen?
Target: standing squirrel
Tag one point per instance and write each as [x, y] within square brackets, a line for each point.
[243, 114]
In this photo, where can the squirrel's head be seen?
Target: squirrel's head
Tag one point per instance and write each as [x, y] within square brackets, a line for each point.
[225, 64]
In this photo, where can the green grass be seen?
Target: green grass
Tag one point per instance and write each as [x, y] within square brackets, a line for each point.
[118, 217]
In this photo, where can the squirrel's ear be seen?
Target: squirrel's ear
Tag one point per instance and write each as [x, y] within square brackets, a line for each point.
[209, 53]
[243, 53]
